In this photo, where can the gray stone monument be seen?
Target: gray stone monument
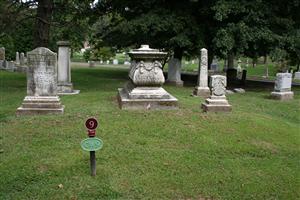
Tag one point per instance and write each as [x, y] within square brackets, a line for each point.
[144, 90]
[174, 72]
[282, 89]
[17, 62]
[202, 88]
[297, 76]
[64, 84]
[41, 84]
[217, 101]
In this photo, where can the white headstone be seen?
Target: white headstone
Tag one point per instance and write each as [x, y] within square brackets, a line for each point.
[107, 62]
[41, 84]
[174, 72]
[17, 59]
[202, 88]
[217, 101]
[282, 88]
[115, 62]
[297, 76]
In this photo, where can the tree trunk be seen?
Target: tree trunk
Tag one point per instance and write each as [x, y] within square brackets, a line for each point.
[42, 23]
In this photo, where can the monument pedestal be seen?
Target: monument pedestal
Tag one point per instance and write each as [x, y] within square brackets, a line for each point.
[282, 95]
[33, 105]
[201, 91]
[137, 98]
[216, 104]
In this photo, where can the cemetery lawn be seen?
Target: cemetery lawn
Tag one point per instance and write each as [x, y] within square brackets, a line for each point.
[251, 153]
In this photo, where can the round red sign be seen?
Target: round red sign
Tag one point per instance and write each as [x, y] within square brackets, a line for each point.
[91, 123]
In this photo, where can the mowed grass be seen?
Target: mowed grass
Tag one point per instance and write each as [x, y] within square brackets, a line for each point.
[251, 153]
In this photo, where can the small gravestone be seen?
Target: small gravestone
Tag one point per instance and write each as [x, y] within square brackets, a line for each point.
[107, 62]
[202, 88]
[174, 72]
[115, 62]
[41, 84]
[10, 66]
[91, 63]
[297, 76]
[282, 88]
[239, 66]
[126, 63]
[64, 84]
[214, 65]
[217, 101]
[17, 62]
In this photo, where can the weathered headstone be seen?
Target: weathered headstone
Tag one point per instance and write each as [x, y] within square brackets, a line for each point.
[282, 88]
[144, 90]
[2, 53]
[214, 65]
[217, 101]
[91, 63]
[10, 66]
[22, 59]
[115, 61]
[41, 84]
[64, 84]
[202, 88]
[297, 76]
[239, 66]
[174, 72]
[17, 62]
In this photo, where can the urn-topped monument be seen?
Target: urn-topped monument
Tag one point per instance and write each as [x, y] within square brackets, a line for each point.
[144, 89]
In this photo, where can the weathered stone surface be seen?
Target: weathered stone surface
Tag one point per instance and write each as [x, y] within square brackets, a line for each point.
[174, 72]
[282, 88]
[2, 53]
[297, 76]
[144, 89]
[64, 84]
[202, 88]
[217, 102]
[17, 59]
[41, 84]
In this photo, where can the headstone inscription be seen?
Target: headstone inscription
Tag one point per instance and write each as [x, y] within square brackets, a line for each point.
[217, 101]
[282, 89]
[202, 88]
[41, 84]
[144, 89]
[64, 84]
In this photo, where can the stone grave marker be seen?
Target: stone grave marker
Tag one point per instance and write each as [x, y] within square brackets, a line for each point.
[202, 88]
[174, 72]
[217, 101]
[41, 84]
[282, 88]
[64, 84]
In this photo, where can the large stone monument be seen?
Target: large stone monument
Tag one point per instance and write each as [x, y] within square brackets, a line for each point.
[174, 72]
[217, 101]
[41, 84]
[202, 88]
[144, 90]
[64, 84]
[282, 89]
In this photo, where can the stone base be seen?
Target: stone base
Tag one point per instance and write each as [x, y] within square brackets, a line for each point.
[132, 101]
[282, 96]
[202, 92]
[66, 89]
[41, 105]
[216, 105]
[175, 83]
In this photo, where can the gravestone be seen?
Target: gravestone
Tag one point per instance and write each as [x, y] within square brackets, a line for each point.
[64, 84]
[10, 66]
[202, 88]
[22, 59]
[217, 101]
[107, 62]
[41, 84]
[126, 63]
[174, 72]
[144, 89]
[214, 65]
[239, 66]
[17, 59]
[282, 89]
[2, 53]
[115, 62]
[91, 63]
[297, 76]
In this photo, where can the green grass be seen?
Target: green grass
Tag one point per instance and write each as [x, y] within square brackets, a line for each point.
[251, 153]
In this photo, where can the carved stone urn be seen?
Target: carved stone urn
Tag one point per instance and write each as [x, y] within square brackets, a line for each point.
[144, 89]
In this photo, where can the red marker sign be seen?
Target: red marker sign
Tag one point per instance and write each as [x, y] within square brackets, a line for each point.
[91, 123]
